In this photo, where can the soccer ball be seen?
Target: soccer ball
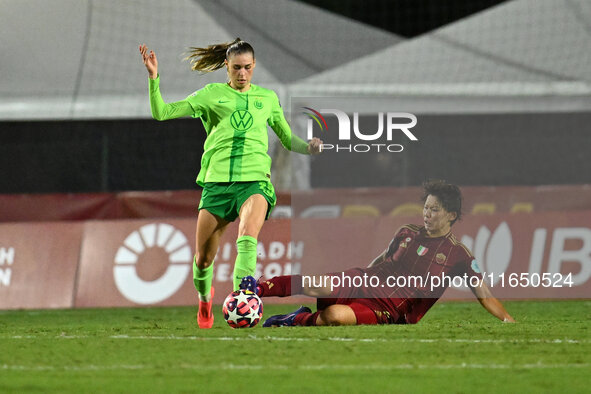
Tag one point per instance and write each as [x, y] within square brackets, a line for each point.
[242, 309]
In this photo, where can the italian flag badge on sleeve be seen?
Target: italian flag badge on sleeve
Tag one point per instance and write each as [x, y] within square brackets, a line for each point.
[421, 251]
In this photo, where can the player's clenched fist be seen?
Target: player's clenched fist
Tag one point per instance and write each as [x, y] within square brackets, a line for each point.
[315, 146]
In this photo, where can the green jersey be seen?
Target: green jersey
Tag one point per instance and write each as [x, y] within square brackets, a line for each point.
[236, 146]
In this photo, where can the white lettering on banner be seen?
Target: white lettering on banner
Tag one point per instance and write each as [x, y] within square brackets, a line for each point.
[226, 250]
[558, 255]
[6, 256]
[272, 269]
[275, 250]
[537, 251]
[180, 258]
[292, 269]
[5, 274]
[222, 272]
[295, 251]
[493, 254]
[275, 269]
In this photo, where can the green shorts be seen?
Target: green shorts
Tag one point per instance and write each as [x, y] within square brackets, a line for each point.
[224, 199]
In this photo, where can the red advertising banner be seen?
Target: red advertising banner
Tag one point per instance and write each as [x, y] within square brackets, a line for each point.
[546, 255]
[149, 262]
[128, 262]
[38, 264]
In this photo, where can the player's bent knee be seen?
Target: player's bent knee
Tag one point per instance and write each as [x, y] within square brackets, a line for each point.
[203, 261]
[337, 315]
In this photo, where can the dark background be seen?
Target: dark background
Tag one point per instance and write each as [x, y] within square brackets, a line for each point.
[487, 149]
[407, 18]
[89, 156]
[497, 149]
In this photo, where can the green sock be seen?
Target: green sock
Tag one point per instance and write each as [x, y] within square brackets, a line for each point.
[202, 279]
[246, 261]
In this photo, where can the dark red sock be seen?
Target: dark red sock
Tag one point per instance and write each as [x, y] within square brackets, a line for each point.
[280, 286]
[306, 319]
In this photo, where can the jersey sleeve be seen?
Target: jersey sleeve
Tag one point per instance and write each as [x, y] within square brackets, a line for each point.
[164, 111]
[393, 246]
[468, 264]
[280, 126]
[197, 101]
[395, 243]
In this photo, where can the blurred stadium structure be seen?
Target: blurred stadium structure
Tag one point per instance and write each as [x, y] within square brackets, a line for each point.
[77, 60]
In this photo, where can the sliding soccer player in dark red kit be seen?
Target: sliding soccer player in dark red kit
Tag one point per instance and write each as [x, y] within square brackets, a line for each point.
[401, 284]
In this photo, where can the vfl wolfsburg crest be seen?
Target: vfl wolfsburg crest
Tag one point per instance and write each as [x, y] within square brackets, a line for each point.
[258, 104]
[241, 120]
[421, 251]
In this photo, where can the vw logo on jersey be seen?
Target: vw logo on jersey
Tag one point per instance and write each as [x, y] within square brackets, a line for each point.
[241, 120]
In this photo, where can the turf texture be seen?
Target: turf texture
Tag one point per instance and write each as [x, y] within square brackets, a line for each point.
[457, 347]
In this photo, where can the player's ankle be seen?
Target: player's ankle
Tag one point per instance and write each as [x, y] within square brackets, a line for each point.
[205, 298]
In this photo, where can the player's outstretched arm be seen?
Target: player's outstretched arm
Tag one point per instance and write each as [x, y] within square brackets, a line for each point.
[289, 140]
[490, 303]
[160, 109]
[294, 143]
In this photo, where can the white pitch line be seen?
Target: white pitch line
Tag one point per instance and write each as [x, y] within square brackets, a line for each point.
[319, 367]
[69, 367]
[307, 339]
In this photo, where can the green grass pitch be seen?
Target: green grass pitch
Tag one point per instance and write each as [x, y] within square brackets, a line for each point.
[457, 347]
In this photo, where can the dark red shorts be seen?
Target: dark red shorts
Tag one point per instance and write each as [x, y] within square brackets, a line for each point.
[363, 313]
[368, 308]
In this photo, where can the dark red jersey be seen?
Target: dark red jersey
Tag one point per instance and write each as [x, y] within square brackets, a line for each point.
[414, 258]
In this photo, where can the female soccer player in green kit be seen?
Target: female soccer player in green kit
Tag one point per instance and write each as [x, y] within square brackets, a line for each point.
[235, 167]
